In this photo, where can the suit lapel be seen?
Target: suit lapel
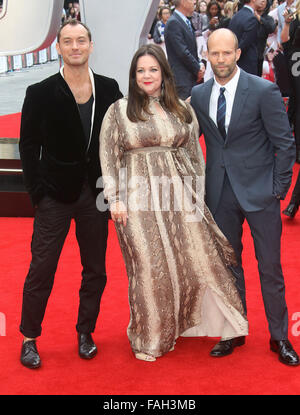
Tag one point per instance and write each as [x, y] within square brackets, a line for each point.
[238, 104]
[185, 26]
[207, 86]
[239, 101]
[70, 108]
[102, 102]
[93, 109]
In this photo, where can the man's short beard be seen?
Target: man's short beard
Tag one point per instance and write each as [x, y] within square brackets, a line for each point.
[226, 74]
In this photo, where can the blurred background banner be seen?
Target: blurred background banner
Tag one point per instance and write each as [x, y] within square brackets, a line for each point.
[118, 29]
[28, 25]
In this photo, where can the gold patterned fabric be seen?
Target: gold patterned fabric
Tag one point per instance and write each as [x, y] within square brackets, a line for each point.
[176, 257]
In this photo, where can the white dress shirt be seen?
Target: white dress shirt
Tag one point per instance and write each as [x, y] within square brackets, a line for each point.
[249, 7]
[184, 18]
[230, 89]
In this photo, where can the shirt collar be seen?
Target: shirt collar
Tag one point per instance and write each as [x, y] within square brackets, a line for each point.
[230, 87]
[184, 18]
[90, 75]
[249, 7]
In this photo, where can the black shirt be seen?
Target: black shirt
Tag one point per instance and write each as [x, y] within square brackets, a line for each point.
[85, 111]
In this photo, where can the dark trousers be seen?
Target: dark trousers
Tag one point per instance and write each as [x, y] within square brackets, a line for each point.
[184, 91]
[296, 191]
[51, 225]
[295, 103]
[260, 63]
[266, 227]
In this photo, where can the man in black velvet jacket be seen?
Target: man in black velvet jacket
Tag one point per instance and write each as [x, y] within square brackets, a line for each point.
[59, 148]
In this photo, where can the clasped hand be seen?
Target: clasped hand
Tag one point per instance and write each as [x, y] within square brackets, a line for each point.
[119, 212]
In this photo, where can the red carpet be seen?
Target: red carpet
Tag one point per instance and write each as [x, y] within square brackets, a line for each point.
[10, 125]
[188, 370]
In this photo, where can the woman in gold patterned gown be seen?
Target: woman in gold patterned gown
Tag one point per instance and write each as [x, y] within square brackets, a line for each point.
[176, 257]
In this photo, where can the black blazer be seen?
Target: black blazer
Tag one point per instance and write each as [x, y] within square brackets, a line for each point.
[245, 25]
[55, 157]
[182, 53]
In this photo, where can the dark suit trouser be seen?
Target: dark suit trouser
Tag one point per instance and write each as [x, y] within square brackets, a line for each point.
[266, 227]
[184, 91]
[51, 225]
[296, 88]
[296, 191]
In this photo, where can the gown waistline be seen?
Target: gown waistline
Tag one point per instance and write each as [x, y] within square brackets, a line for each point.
[153, 149]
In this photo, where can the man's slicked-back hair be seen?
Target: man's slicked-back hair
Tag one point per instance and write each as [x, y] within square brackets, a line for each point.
[73, 22]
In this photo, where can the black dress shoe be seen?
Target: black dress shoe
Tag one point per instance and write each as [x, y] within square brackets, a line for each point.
[285, 351]
[226, 347]
[29, 355]
[86, 346]
[291, 210]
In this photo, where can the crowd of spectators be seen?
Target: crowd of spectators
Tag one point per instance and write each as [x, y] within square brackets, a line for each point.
[214, 14]
[71, 10]
[277, 44]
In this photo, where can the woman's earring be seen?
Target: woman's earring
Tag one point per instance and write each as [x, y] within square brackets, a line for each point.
[162, 93]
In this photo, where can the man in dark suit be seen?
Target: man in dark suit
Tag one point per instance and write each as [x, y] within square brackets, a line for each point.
[181, 48]
[250, 154]
[59, 148]
[245, 25]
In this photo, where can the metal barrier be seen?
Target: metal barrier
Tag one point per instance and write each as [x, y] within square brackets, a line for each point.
[18, 62]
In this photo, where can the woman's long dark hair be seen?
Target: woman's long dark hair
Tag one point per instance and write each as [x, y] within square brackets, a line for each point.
[213, 3]
[138, 100]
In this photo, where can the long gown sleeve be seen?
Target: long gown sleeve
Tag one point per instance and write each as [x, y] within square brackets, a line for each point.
[194, 180]
[111, 154]
[193, 146]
